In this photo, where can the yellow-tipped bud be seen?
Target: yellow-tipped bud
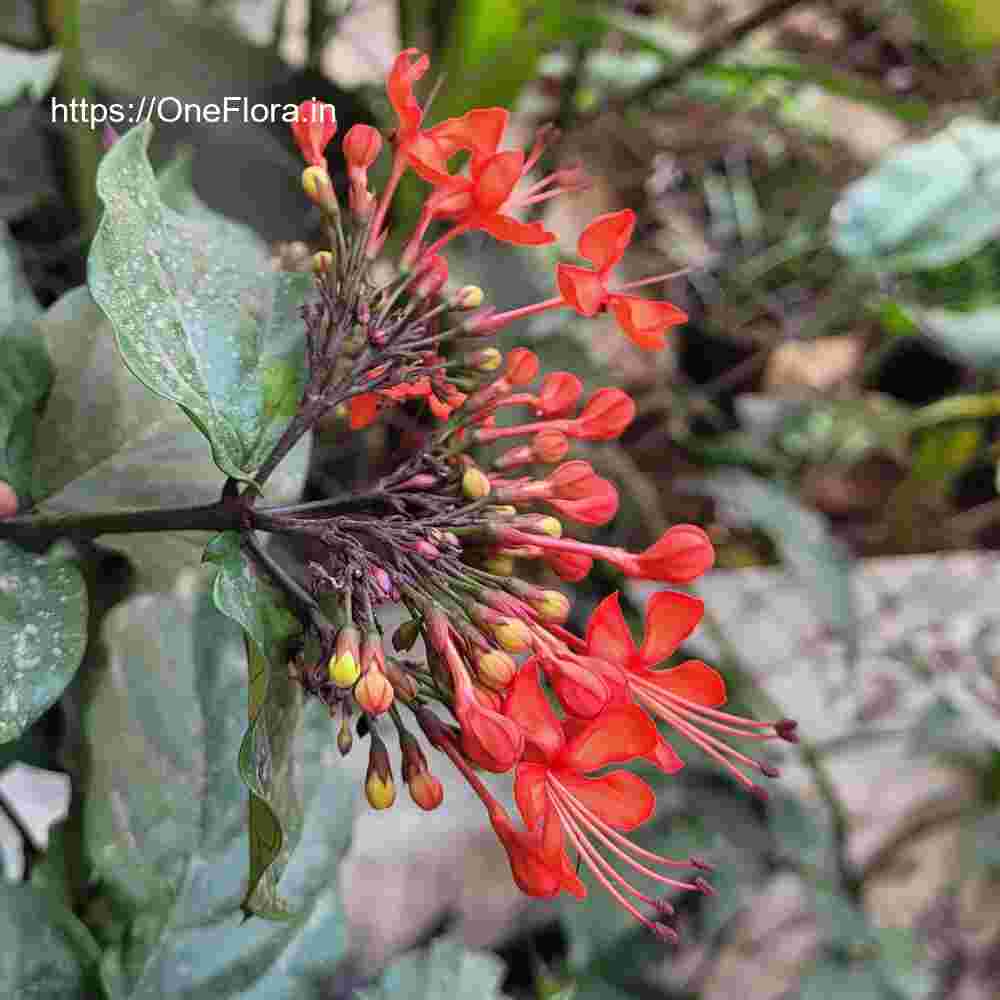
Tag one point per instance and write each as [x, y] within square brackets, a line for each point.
[499, 565]
[323, 261]
[319, 189]
[513, 635]
[475, 484]
[344, 669]
[503, 510]
[552, 607]
[550, 526]
[374, 693]
[496, 668]
[489, 359]
[468, 297]
[380, 792]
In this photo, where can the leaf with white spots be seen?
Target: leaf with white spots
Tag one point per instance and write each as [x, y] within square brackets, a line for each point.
[198, 315]
[165, 816]
[43, 634]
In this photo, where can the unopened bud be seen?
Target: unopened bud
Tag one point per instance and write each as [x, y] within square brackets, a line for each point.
[405, 636]
[496, 668]
[487, 698]
[323, 261]
[380, 789]
[550, 446]
[467, 297]
[513, 635]
[499, 565]
[553, 607]
[488, 359]
[319, 190]
[404, 685]
[345, 666]
[475, 484]
[426, 791]
[374, 693]
[345, 740]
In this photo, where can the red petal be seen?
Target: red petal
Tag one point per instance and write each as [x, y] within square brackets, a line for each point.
[621, 799]
[693, 680]
[428, 159]
[527, 705]
[496, 179]
[362, 410]
[670, 618]
[603, 242]
[605, 416]
[681, 555]
[528, 865]
[581, 289]
[596, 509]
[644, 321]
[618, 734]
[530, 794]
[558, 395]
[608, 635]
[569, 566]
[479, 130]
[509, 230]
[410, 66]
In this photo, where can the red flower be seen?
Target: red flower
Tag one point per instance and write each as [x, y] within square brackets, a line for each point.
[409, 67]
[603, 243]
[687, 696]
[314, 126]
[556, 797]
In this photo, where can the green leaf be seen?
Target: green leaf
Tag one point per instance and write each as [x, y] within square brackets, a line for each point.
[46, 951]
[274, 702]
[43, 634]
[447, 970]
[929, 204]
[971, 337]
[198, 315]
[26, 72]
[26, 374]
[164, 813]
[801, 536]
[95, 406]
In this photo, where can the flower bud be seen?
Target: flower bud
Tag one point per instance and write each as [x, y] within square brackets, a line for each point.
[559, 394]
[569, 566]
[487, 360]
[374, 693]
[314, 126]
[522, 366]
[405, 636]
[361, 146]
[499, 565]
[475, 484]
[319, 190]
[513, 635]
[322, 261]
[426, 791]
[607, 413]
[345, 739]
[496, 668]
[467, 297]
[553, 606]
[380, 789]
[487, 698]
[345, 664]
[550, 446]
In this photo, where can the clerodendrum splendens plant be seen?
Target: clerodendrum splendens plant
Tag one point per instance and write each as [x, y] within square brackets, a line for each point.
[500, 684]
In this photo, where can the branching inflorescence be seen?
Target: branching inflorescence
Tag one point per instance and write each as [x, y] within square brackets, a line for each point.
[442, 536]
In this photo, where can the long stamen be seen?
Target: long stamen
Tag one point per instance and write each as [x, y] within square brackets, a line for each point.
[622, 839]
[574, 806]
[588, 854]
[708, 744]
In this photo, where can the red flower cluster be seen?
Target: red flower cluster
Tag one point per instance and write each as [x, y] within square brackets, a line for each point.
[442, 534]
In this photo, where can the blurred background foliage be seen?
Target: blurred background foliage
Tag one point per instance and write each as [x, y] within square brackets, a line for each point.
[824, 178]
